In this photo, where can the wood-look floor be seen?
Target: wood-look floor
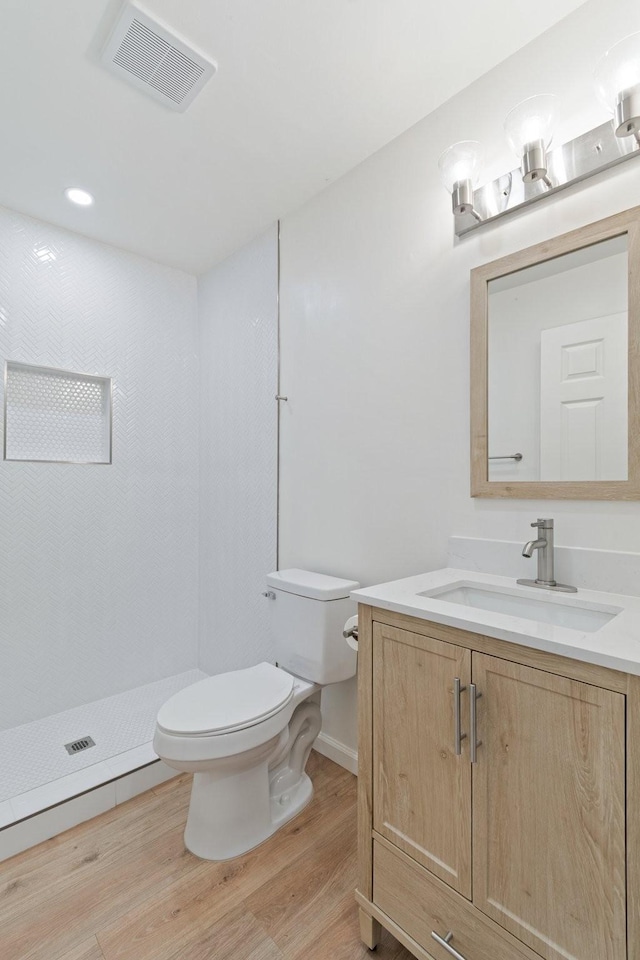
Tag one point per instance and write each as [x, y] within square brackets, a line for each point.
[123, 887]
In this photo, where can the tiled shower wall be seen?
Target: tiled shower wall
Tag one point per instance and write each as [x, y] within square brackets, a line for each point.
[99, 564]
[238, 307]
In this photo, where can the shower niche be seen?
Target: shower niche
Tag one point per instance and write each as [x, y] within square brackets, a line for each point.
[56, 416]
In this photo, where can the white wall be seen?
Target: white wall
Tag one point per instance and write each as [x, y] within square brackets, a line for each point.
[375, 331]
[238, 311]
[98, 564]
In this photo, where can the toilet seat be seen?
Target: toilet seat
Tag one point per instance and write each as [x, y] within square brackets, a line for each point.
[227, 702]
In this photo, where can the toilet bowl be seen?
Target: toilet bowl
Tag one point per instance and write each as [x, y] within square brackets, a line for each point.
[246, 735]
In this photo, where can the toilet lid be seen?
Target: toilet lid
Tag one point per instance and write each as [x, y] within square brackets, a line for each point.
[227, 701]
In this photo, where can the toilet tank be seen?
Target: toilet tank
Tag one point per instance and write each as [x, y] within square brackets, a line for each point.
[308, 612]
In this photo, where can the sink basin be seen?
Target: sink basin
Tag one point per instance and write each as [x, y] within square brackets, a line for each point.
[586, 617]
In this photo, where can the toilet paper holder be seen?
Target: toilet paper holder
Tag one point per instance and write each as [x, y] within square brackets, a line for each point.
[350, 632]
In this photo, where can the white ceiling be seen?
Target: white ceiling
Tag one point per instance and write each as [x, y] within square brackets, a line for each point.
[305, 90]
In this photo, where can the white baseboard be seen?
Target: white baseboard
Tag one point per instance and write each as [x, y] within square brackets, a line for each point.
[339, 752]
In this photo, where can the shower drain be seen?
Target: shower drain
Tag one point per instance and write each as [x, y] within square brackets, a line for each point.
[77, 745]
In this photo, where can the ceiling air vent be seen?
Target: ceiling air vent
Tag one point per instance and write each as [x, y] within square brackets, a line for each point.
[147, 55]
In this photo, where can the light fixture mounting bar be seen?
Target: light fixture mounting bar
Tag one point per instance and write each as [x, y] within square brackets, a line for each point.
[587, 155]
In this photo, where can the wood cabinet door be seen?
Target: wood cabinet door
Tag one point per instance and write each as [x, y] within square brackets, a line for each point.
[549, 811]
[421, 789]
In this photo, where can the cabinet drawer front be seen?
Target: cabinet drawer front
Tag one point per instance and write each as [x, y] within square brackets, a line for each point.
[421, 904]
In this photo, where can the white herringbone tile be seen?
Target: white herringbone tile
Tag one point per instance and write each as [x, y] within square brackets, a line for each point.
[99, 564]
[238, 454]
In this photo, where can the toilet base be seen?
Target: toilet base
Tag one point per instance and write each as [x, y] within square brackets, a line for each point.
[229, 811]
[289, 805]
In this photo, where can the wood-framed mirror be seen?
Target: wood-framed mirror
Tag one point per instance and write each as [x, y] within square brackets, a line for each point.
[555, 367]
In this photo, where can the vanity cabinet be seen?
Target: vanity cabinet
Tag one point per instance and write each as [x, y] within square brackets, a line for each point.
[516, 850]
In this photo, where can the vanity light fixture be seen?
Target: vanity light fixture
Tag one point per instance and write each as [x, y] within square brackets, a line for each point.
[529, 130]
[543, 172]
[459, 167]
[617, 81]
[79, 196]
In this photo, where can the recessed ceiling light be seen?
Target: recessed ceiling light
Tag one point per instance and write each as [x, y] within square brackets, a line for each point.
[79, 196]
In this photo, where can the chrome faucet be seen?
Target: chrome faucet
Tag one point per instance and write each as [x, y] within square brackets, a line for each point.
[544, 546]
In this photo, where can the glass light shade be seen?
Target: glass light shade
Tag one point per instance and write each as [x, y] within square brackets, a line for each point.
[531, 123]
[617, 73]
[460, 162]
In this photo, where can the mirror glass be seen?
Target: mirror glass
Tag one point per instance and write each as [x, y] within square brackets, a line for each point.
[557, 368]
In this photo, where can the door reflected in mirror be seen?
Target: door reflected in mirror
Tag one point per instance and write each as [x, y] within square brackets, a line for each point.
[557, 358]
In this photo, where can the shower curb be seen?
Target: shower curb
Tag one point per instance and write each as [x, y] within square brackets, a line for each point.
[31, 830]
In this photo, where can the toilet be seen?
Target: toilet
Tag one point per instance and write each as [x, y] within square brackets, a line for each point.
[246, 735]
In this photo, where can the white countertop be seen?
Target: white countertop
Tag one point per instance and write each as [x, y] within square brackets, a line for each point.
[615, 645]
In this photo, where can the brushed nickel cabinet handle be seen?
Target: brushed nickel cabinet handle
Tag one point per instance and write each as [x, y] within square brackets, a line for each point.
[458, 736]
[474, 696]
[446, 943]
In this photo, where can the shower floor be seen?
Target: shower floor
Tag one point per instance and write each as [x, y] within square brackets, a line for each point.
[37, 771]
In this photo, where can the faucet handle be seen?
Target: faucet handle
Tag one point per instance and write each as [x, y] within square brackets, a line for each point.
[543, 524]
